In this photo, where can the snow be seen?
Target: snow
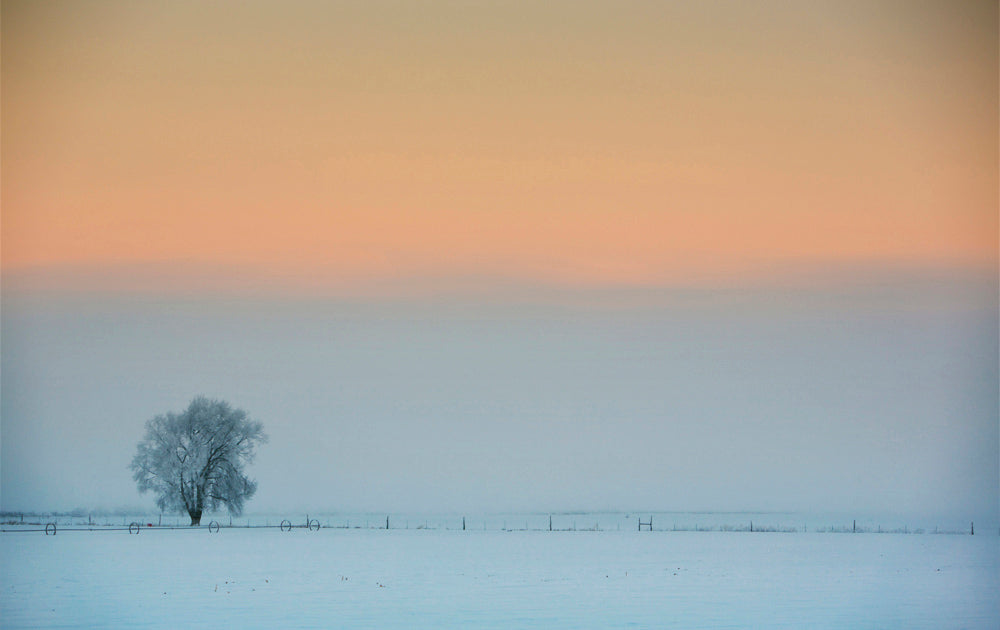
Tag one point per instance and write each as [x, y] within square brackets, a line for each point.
[361, 578]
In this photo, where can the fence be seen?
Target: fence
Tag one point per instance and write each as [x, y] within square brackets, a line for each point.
[574, 522]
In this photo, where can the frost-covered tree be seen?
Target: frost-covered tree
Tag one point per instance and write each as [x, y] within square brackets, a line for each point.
[193, 461]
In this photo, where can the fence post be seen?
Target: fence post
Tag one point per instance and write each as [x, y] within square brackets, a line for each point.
[972, 529]
[387, 522]
[463, 523]
[550, 522]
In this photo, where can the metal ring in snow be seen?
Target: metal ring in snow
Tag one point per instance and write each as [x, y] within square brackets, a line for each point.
[53, 529]
[286, 525]
[213, 527]
[133, 528]
[314, 525]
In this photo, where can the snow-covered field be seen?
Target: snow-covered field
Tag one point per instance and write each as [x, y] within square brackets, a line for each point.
[359, 578]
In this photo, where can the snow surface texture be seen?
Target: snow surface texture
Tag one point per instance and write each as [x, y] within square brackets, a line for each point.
[264, 578]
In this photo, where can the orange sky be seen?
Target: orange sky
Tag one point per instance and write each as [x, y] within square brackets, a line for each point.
[580, 142]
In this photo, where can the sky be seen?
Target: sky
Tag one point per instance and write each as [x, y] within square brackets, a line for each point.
[496, 255]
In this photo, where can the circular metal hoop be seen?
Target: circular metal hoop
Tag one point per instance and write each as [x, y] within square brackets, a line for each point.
[314, 525]
[133, 528]
[286, 525]
[213, 527]
[50, 528]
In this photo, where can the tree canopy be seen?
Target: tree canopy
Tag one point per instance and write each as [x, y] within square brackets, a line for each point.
[194, 461]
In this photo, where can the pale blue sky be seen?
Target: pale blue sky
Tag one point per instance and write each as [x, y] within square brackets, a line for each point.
[864, 390]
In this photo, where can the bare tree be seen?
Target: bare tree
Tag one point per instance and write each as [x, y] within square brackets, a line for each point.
[193, 461]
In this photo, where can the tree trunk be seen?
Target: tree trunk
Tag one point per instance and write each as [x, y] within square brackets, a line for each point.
[195, 517]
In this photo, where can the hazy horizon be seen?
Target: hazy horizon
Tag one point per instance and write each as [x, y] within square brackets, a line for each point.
[875, 394]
